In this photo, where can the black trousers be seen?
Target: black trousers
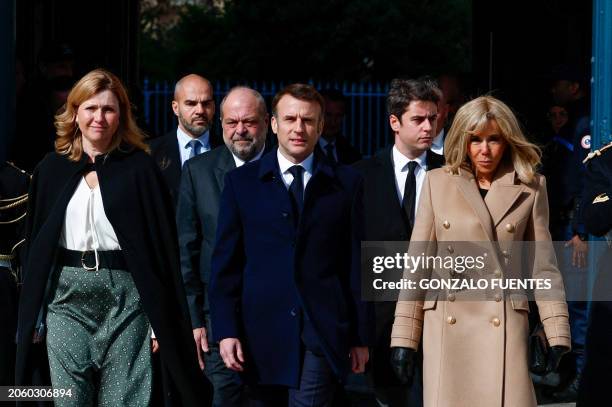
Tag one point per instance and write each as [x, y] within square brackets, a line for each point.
[8, 324]
[595, 384]
[317, 386]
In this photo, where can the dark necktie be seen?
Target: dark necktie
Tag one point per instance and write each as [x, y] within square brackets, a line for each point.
[329, 150]
[296, 189]
[195, 148]
[409, 201]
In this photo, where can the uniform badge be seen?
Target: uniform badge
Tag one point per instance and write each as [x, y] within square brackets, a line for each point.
[601, 198]
[585, 142]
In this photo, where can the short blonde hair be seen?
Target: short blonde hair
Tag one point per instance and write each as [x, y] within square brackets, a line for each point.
[69, 138]
[472, 118]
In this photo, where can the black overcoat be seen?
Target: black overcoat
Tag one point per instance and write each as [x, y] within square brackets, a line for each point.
[140, 210]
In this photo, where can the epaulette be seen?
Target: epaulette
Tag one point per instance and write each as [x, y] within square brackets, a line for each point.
[14, 202]
[597, 152]
[19, 169]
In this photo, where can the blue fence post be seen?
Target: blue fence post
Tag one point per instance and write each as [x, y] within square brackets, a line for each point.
[370, 127]
[353, 139]
[379, 134]
[166, 107]
[147, 100]
[345, 125]
[362, 144]
[386, 137]
[156, 93]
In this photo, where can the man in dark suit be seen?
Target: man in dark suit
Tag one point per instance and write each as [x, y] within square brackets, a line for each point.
[244, 120]
[392, 182]
[285, 287]
[332, 143]
[194, 107]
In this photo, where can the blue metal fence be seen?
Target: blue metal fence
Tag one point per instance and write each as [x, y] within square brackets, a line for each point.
[366, 124]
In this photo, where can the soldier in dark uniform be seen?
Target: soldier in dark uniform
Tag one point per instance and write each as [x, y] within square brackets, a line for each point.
[564, 171]
[13, 202]
[597, 215]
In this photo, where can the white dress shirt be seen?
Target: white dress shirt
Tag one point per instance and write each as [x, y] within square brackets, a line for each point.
[239, 162]
[86, 226]
[284, 165]
[185, 147]
[400, 167]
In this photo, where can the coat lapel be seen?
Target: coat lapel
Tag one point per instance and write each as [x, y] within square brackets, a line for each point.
[322, 176]
[224, 164]
[385, 160]
[503, 194]
[270, 176]
[433, 160]
[469, 189]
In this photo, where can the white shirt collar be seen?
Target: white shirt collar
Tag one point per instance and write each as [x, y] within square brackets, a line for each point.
[284, 164]
[184, 139]
[239, 162]
[400, 160]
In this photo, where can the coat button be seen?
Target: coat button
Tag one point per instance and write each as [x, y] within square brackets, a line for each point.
[450, 249]
[451, 320]
[446, 224]
[497, 273]
[498, 297]
[451, 297]
[293, 312]
[285, 215]
[495, 321]
[509, 227]
[505, 253]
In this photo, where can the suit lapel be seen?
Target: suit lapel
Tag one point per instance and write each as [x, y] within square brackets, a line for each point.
[389, 188]
[174, 157]
[270, 176]
[503, 194]
[385, 160]
[322, 177]
[224, 164]
[469, 189]
[433, 160]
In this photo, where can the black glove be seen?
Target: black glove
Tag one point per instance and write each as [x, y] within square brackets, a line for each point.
[555, 353]
[403, 361]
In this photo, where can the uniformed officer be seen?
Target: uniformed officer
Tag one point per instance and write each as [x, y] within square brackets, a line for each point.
[13, 202]
[597, 215]
[564, 171]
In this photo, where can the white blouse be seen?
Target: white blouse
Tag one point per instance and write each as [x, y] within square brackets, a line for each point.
[86, 226]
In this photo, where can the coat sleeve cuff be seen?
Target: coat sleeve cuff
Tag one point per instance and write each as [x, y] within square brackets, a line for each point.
[408, 325]
[404, 343]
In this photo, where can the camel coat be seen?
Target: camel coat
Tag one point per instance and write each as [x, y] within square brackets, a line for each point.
[475, 352]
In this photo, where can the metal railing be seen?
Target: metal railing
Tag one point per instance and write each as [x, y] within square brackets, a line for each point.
[366, 123]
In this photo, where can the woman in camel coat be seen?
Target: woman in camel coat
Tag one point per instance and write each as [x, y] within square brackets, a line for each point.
[475, 352]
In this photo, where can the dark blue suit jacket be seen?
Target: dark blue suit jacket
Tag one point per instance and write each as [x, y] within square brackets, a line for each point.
[267, 273]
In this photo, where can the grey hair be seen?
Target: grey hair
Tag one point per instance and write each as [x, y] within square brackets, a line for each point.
[260, 100]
